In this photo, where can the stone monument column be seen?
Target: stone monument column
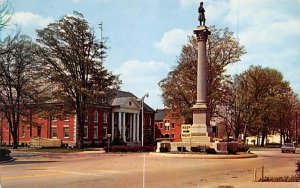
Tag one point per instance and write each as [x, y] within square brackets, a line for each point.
[199, 131]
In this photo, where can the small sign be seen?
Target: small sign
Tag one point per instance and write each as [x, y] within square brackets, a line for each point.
[186, 131]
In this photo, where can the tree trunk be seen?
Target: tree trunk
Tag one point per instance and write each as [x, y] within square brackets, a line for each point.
[263, 136]
[15, 137]
[80, 133]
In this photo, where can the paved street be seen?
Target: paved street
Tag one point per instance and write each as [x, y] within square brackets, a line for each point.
[94, 169]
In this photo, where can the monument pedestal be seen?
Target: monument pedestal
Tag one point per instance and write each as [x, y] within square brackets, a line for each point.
[199, 129]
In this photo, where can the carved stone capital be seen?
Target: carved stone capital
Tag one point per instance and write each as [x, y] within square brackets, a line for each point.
[202, 33]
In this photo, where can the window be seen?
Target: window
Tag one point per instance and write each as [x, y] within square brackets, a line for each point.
[67, 117]
[104, 132]
[105, 117]
[173, 125]
[53, 131]
[39, 131]
[96, 116]
[86, 118]
[53, 119]
[95, 132]
[160, 125]
[150, 121]
[23, 131]
[172, 135]
[167, 125]
[66, 131]
[85, 132]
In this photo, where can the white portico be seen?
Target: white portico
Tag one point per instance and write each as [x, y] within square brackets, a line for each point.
[126, 120]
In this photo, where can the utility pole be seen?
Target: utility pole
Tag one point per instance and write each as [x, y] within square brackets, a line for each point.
[296, 127]
[101, 42]
[142, 100]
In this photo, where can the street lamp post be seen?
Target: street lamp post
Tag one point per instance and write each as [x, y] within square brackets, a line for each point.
[146, 95]
[108, 143]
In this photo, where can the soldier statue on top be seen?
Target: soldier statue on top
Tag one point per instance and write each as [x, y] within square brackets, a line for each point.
[201, 16]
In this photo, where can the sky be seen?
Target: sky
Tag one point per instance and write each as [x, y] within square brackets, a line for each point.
[145, 36]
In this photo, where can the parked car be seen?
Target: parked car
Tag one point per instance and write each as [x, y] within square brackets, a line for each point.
[288, 147]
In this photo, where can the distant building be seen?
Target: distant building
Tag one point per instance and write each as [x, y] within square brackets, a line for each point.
[122, 120]
[168, 125]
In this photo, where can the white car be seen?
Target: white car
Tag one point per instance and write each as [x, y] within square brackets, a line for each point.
[288, 147]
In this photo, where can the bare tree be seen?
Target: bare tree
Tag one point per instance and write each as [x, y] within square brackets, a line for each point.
[5, 13]
[20, 84]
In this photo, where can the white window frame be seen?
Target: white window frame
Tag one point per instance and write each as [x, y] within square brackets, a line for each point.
[87, 132]
[66, 126]
[23, 132]
[104, 132]
[53, 126]
[67, 117]
[105, 117]
[167, 125]
[96, 117]
[97, 131]
[160, 125]
[86, 118]
[53, 118]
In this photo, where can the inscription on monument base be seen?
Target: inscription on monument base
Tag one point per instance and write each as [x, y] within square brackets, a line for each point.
[198, 134]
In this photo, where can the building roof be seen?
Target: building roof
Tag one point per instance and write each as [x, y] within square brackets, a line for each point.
[119, 94]
[161, 114]
[126, 102]
[125, 95]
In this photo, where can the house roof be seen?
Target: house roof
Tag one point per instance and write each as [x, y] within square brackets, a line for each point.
[161, 114]
[122, 97]
[126, 102]
[119, 94]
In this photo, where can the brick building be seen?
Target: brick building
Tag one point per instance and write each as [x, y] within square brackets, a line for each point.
[168, 125]
[121, 119]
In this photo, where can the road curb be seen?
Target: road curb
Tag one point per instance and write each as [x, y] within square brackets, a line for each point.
[204, 156]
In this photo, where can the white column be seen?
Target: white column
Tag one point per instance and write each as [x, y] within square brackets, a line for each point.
[202, 35]
[112, 125]
[130, 128]
[124, 127]
[201, 71]
[119, 123]
[134, 127]
[138, 128]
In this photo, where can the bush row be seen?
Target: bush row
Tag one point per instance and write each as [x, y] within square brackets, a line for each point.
[197, 149]
[130, 149]
[4, 152]
[243, 148]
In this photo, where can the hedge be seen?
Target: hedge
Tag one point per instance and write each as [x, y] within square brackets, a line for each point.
[210, 151]
[4, 152]
[130, 149]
